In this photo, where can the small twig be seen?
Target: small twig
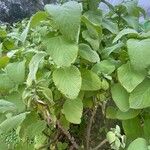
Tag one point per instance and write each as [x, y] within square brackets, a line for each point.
[100, 145]
[89, 127]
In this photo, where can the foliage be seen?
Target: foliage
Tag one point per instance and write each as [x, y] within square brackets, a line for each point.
[67, 64]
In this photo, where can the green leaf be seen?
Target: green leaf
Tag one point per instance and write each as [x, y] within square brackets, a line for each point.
[35, 128]
[129, 78]
[13, 122]
[64, 53]
[138, 144]
[67, 18]
[92, 41]
[73, 110]
[146, 127]
[87, 53]
[111, 26]
[3, 61]
[33, 67]
[104, 67]
[93, 34]
[48, 94]
[68, 81]
[140, 96]
[124, 32]
[139, 53]
[90, 81]
[111, 137]
[37, 18]
[132, 21]
[108, 50]
[95, 17]
[24, 34]
[16, 72]
[6, 106]
[5, 83]
[132, 128]
[113, 113]
[16, 98]
[120, 97]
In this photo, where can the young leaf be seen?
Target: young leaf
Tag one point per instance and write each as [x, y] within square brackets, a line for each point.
[120, 97]
[124, 32]
[129, 78]
[138, 144]
[140, 96]
[73, 110]
[64, 53]
[68, 81]
[90, 80]
[33, 67]
[87, 53]
[67, 18]
[139, 53]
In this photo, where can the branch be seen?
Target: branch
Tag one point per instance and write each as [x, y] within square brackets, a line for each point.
[89, 128]
[100, 145]
[47, 117]
[68, 135]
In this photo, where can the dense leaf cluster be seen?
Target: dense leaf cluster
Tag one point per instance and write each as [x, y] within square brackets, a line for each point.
[67, 63]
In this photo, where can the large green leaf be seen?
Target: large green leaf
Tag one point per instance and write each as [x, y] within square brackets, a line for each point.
[120, 97]
[67, 18]
[129, 78]
[90, 81]
[16, 72]
[87, 53]
[62, 52]
[73, 110]
[140, 96]
[138, 144]
[33, 67]
[139, 53]
[132, 128]
[12, 122]
[124, 32]
[68, 81]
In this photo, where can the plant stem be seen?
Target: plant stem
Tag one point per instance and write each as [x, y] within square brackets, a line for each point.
[89, 128]
[68, 135]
